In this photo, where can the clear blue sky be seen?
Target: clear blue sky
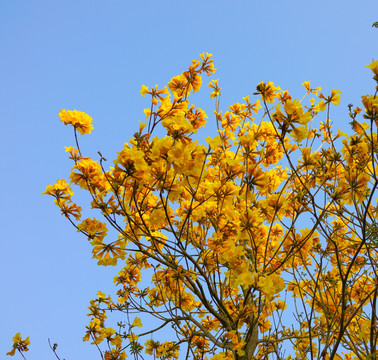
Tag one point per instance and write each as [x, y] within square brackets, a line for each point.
[94, 56]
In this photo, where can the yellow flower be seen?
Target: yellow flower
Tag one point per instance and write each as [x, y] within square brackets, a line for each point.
[306, 84]
[295, 111]
[220, 356]
[132, 162]
[252, 107]
[137, 322]
[207, 64]
[94, 228]
[142, 126]
[268, 91]
[78, 119]
[158, 217]
[371, 103]
[108, 332]
[321, 106]
[133, 337]
[271, 284]
[19, 344]
[264, 325]
[197, 117]
[107, 254]
[115, 354]
[373, 66]
[365, 330]
[147, 112]
[144, 90]
[61, 190]
[117, 341]
[300, 133]
[214, 85]
[335, 97]
[150, 346]
[178, 85]
[94, 331]
[74, 153]
[155, 92]
[238, 346]
[89, 174]
[194, 80]
[177, 126]
[214, 142]
[71, 209]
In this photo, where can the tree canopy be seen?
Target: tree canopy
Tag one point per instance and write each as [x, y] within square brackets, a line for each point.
[258, 243]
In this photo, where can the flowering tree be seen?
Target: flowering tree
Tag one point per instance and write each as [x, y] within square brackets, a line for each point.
[260, 243]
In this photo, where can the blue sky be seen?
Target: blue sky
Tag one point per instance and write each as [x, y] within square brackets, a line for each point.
[94, 56]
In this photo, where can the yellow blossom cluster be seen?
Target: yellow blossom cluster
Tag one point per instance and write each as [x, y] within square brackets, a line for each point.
[19, 345]
[272, 214]
[78, 119]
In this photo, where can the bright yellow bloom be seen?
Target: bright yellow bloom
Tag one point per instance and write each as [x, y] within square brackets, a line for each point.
[78, 119]
[300, 133]
[88, 175]
[94, 228]
[74, 153]
[61, 190]
[214, 85]
[268, 91]
[252, 107]
[246, 278]
[365, 330]
[264, 325]
[142, 126]
[220, 356]
[207, 64]
[310, 90]
[147, 113]
[321, 106]
[108, 332]
[179, 86]
[117, 341]
[205, 56]
[335, 97]
[214, 142]
[115, 354]
[71, 209]
[177, 126]
[194, 80]
[157, 217]
[132, 162]
[371, 103]
[137, 322]
[133, 337]
[373, 66]
[19, 344]
[271, 284]
[107, 254]
[155, 92]
[197, 117]
[294, 109]
[144, 90]
[94, 330]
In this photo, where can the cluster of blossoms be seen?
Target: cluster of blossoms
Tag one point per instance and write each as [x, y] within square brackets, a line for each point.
[78, 119]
